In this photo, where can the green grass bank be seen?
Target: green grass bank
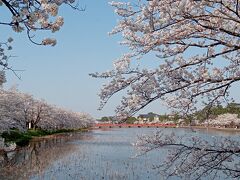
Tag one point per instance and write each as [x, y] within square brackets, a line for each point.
[23, 138]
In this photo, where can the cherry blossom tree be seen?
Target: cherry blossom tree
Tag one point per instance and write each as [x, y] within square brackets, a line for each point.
[23, 111]
[192, 157]
[34, 112]
[35, 15]
[196, 46]
[30, 16]
[60, 118]
[11, 111]
[5, 46]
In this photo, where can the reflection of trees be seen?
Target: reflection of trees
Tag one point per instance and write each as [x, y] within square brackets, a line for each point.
[221, 132]
[35, 158]
[194, 157]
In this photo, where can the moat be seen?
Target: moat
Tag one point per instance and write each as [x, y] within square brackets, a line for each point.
[97, 154]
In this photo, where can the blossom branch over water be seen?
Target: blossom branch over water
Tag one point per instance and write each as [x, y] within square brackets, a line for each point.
[196, 44]
[193, 157]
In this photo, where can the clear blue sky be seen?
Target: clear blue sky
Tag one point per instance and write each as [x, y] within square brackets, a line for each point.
[60, 74]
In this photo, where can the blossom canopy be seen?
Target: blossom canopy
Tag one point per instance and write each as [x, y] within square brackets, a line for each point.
[196, 44]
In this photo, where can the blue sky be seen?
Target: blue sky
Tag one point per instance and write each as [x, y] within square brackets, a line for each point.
[60, 74]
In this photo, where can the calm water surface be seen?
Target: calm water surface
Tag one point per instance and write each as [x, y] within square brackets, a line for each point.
[98, 154]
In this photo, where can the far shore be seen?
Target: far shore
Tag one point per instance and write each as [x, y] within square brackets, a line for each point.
[112, 125]
[213, 128]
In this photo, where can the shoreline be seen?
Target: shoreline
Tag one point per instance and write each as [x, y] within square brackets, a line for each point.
[37, 138]
[186, 127]
[211, 128]
[22, 139]
[58, 134]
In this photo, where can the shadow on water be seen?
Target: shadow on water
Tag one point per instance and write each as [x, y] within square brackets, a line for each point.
[37, 156]
[98, 154]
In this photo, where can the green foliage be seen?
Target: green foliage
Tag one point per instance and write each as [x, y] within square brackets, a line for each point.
[23, 138]
[233, 108]
[104, 118]
[151, 118]
[20, 138]
[163, 118]
[166, 117]
[40, 132]
[109, 118]
[131, 120]
[175, 118]
[62, 131]
[213, 112]
[37, 132]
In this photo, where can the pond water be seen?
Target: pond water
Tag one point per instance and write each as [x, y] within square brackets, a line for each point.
[97, 154]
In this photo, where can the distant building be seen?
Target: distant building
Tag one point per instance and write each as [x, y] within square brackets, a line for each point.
[108, 119]
[148, 117]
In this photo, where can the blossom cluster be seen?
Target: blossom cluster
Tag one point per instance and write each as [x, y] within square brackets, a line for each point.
[4, 46]
[35, 15]
[196, 44]
[193, 157]
[224, 119]
[49, 41]
[19, 109]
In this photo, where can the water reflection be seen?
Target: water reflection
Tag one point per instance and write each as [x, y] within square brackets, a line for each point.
[100, 154]
[220, 132]
[38, 156]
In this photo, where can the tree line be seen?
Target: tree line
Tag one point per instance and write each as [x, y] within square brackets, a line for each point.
[196, 44]
[22, 111]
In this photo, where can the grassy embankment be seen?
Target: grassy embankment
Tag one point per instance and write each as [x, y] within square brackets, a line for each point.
[23, 138]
